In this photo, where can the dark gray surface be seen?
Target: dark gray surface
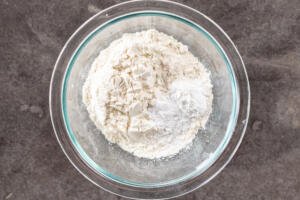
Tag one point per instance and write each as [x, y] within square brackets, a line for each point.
[266, 166]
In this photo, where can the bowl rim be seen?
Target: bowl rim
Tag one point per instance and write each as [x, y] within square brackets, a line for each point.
[207, 163]
[81, 165]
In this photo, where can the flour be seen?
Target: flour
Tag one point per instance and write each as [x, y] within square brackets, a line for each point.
[147, 93]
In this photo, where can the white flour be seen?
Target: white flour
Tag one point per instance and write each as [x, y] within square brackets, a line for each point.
[147, 93]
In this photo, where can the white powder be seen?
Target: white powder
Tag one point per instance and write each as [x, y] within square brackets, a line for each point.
[147, 93]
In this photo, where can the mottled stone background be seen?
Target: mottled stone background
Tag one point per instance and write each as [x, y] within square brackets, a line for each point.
[266, 166]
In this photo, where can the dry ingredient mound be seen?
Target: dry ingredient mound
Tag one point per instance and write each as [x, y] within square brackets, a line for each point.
[147, 93]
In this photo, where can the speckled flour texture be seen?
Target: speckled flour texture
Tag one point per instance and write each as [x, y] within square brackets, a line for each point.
[147, 93]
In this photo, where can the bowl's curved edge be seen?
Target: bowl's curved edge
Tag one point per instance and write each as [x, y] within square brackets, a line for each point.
[53, 77]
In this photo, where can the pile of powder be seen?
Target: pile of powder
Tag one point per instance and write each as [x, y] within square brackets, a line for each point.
[147, 93]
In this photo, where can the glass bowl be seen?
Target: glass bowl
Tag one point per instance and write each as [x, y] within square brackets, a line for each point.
[108, 166]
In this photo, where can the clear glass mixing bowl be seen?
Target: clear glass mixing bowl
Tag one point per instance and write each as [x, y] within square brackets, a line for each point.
[115, 170]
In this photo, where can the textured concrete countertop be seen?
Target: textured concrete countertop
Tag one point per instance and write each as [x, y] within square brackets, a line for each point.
[266, 166]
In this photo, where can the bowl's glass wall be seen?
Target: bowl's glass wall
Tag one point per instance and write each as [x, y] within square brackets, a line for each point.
[119, 165]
